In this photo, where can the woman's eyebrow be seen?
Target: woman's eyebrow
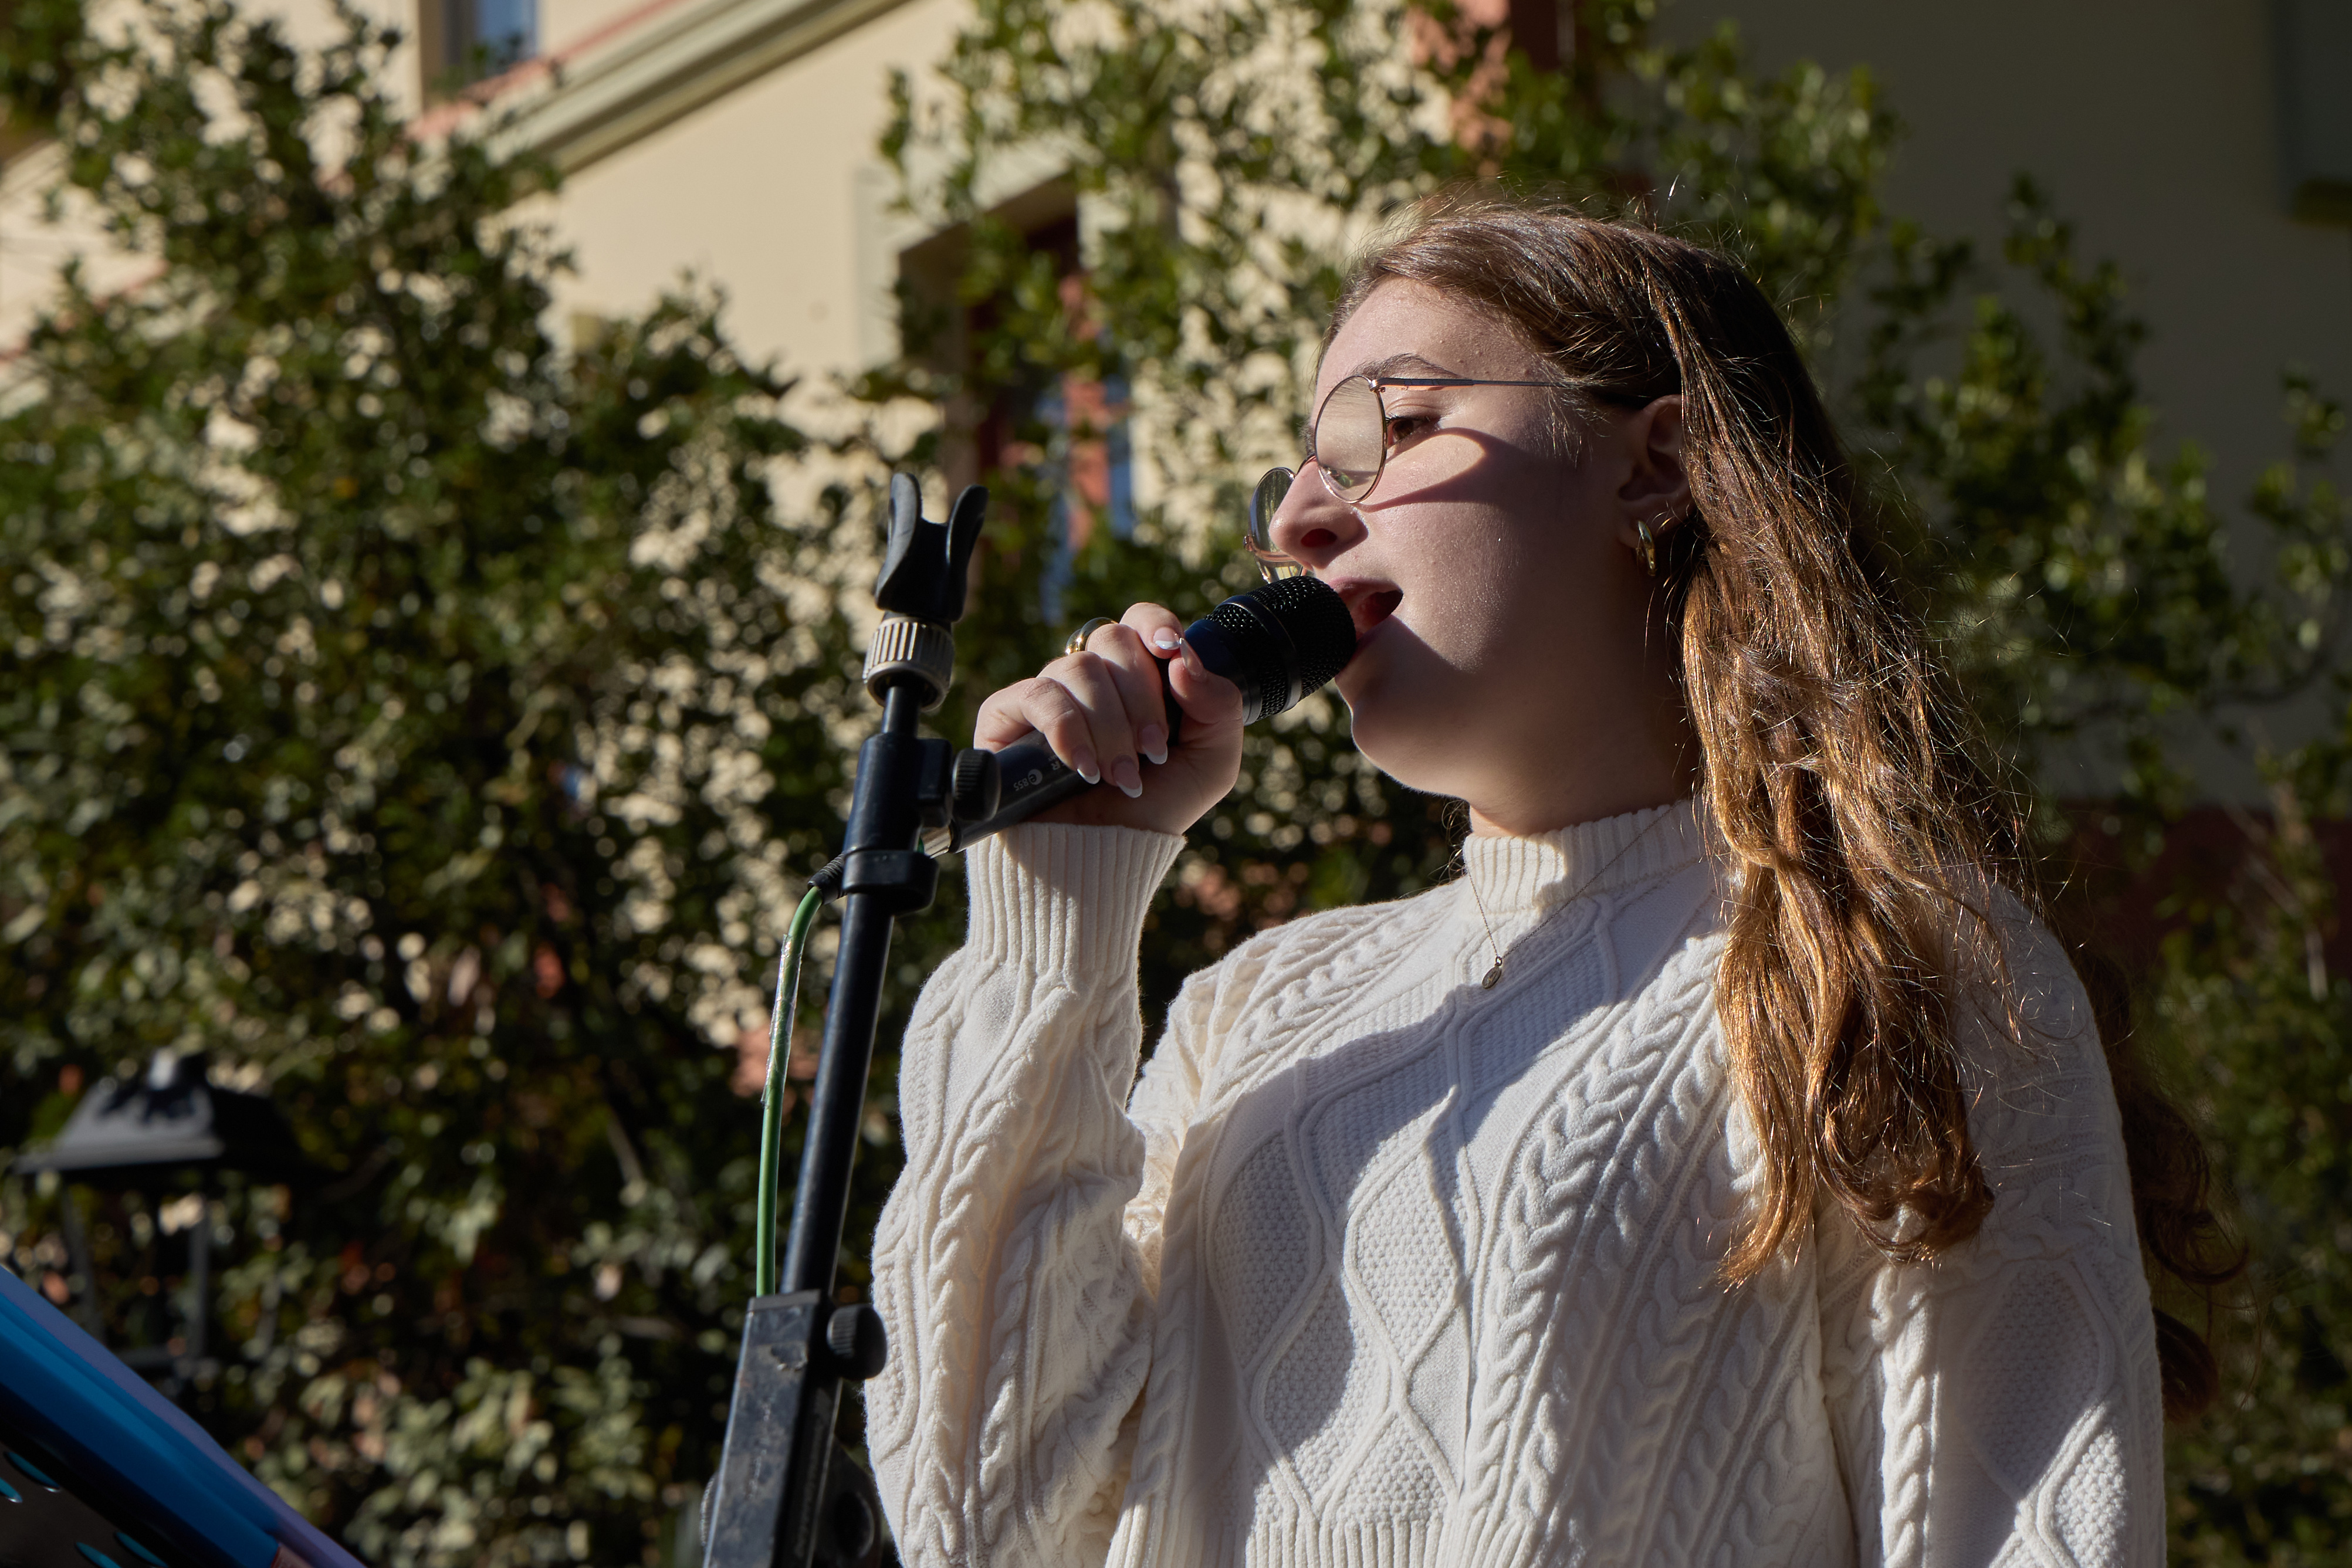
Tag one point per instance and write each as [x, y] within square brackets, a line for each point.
[1404, 365]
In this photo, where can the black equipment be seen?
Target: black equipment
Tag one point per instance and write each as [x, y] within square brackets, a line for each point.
[1277, 644]
[788, 1495]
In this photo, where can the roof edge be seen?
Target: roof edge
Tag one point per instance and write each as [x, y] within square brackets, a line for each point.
[683, 59]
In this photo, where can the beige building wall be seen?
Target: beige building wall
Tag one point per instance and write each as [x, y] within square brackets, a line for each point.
[33, 247]
[773, 191]
[734, 141]
[2154, 125]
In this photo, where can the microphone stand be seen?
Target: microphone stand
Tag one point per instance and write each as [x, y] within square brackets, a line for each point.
[788, 1495]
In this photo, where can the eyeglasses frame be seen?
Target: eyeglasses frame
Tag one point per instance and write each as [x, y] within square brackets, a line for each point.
[1378, 383]
[1267, 568]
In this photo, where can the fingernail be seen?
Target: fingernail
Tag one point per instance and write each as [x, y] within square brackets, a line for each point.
[1165, 640]
[1153, 742]
[1123, 774]
[1192, 660]
[1088, 769]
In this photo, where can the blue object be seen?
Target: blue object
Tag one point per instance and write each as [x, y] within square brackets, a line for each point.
[10, 1493]
[39, 1476]
[95, 1555]
[507, 31]
[138, 1551]
[60, 1388]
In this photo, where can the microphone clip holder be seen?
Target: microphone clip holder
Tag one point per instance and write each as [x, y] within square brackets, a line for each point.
[788, 1494]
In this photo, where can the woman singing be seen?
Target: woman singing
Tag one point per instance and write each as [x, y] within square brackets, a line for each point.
[1724, 1169]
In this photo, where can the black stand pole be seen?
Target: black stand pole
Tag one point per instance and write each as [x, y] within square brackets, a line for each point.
[788, 1495]
[886, 876]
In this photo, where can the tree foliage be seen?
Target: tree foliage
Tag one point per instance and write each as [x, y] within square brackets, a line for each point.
[37, 41]
[428, 720]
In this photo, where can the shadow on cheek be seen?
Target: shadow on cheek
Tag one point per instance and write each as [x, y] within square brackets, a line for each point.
[1469, 468]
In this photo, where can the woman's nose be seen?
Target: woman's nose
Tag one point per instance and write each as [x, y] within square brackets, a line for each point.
[1312, 526]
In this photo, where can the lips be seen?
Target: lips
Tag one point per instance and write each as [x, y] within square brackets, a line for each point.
[1369, 602]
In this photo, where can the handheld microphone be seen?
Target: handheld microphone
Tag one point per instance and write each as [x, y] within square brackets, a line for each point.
[1277, 644]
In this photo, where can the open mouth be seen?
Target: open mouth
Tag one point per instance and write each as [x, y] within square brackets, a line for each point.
[1370, 609]
[1369, 601]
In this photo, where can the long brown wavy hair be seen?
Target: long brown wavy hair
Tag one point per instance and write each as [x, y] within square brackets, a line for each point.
[1869, 836]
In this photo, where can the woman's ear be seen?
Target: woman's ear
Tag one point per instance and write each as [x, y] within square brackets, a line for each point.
[1656, 491]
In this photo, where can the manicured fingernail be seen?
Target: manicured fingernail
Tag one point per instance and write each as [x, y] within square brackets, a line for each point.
[1165, 640]
[1129, 781]
[1153, 742]
[1192, 660]
[1087, 769]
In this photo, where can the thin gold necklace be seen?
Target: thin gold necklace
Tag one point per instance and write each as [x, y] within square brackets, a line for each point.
[1462, 857]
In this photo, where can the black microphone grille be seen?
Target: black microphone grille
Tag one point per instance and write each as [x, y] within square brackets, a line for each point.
[1290, 638]
[1320, 627]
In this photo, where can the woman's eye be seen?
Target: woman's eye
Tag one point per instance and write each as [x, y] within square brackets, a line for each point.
[1404, 426]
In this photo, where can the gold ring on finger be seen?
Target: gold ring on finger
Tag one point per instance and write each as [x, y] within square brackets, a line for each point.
[1077, 639]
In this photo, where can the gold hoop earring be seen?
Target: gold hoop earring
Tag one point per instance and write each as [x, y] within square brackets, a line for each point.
[1648, 549]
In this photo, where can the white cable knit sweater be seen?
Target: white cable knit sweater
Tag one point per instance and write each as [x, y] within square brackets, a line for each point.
[1378, 1268]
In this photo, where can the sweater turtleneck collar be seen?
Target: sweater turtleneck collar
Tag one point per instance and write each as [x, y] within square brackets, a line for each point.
[1516, 876]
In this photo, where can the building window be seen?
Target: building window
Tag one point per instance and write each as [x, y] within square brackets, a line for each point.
[481, 38]
[1091, 467]
[1069, 431]
[2313, 40]
[1058, 441]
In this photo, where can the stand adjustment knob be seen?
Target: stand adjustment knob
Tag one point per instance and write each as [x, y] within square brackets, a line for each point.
[855, 1337]
[907, 649]
[974, 785]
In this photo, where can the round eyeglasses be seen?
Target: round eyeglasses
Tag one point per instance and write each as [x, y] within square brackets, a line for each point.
[1348, 444]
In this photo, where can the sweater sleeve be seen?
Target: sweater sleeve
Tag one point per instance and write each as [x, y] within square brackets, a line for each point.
[1015, 1260]
[2003, 1404]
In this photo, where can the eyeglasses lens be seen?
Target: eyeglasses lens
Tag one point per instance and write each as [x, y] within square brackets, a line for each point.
[1265, 502]
[1349, 438]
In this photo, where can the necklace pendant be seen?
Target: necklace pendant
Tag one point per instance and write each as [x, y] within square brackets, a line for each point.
[1494, 977]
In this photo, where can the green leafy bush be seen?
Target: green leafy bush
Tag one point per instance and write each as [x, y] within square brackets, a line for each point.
[431, 721]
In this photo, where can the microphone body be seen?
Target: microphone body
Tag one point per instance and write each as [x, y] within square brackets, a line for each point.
[1277, 644]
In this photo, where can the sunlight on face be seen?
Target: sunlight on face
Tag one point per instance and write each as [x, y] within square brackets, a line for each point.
[1500, 616]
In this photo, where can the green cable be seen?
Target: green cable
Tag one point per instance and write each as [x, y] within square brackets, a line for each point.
[771, 1098]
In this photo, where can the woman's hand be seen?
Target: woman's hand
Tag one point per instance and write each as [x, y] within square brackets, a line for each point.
[1100, 710]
